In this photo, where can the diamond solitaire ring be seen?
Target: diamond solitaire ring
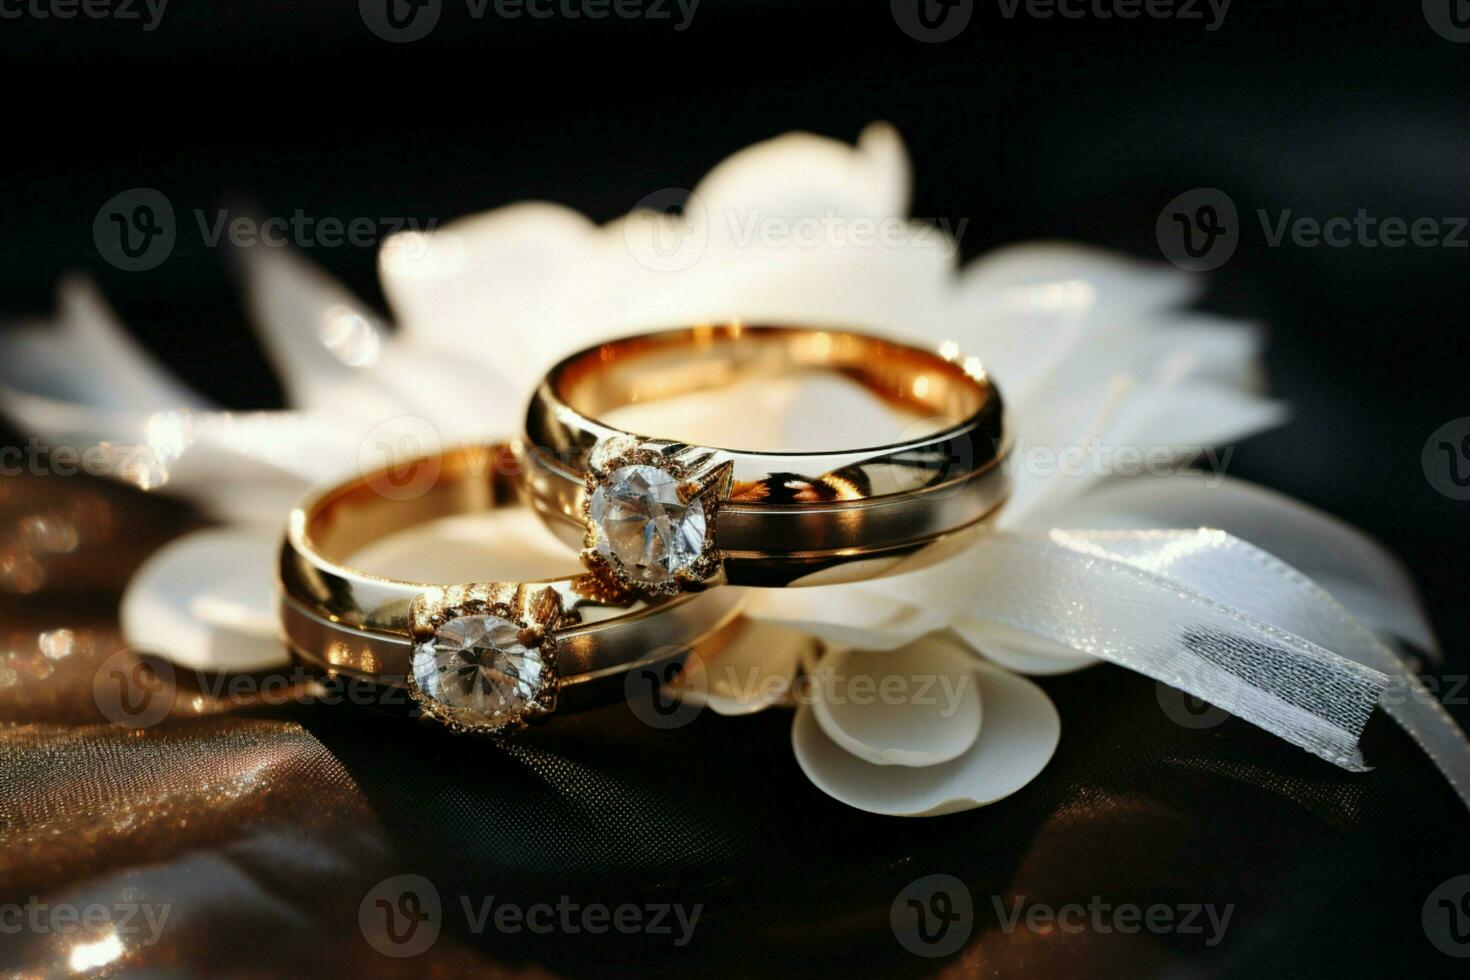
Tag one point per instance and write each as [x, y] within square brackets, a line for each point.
[660, 517]
[488, 657]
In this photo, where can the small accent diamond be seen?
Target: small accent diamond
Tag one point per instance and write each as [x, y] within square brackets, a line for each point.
[480, 665]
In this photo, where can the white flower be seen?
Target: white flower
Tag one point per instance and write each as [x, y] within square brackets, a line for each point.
[921, 731]
[1104, 369]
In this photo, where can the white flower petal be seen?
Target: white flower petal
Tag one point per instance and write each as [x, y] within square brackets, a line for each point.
[539, 281]
[1193, 346]
[1018, 739]
[800, 174]
[81, 381]
[1120, 428]
[86, 358]
[1164, 350]
[206, 601]
[810, 412]
[320, 338]
[859, 614]
[459, 393]
[1117, 282]
[1019, 651]
[754, 671]
[1187, 417]
[918, 706]
[718, 417]
[500, 545]
[498, 283]
[831, 410]
[60, 422]
[246, 466]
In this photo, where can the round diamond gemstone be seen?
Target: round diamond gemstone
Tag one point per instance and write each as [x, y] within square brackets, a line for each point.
[643, 527]
[479, 664]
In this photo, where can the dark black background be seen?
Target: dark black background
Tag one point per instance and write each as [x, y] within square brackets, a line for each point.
[1027, 128]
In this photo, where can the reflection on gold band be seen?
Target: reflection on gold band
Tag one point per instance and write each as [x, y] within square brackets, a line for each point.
[791, 518]
[356, 622]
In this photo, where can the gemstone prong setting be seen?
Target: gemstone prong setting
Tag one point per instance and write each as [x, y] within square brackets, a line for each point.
[650, 518]
[484, 657]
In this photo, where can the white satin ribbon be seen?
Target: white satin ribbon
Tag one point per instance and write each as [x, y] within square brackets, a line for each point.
[1205, 612]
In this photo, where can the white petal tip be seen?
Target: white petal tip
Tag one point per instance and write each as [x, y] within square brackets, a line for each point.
[751, 673]
[205, 602]
[917, 706]
[1019, 736]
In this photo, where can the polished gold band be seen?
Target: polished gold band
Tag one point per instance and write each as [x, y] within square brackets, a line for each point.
[366, 625]
[775, 519]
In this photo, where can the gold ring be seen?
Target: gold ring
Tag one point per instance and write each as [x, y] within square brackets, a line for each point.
[662, 517]
[487, 656]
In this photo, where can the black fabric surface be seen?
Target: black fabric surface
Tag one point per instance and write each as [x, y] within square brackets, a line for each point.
[1328, 872]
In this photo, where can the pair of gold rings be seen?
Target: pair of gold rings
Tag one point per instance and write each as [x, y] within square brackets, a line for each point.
[660, 523]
